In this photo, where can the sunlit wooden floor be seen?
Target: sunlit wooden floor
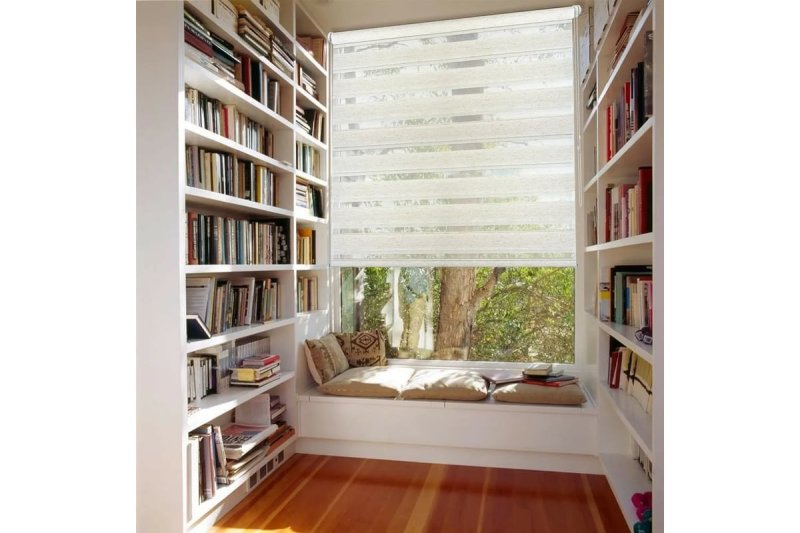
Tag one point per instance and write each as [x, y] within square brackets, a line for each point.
[322, 493]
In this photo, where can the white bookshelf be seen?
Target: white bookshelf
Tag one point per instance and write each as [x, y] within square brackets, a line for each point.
[163, 200]
[623, 424]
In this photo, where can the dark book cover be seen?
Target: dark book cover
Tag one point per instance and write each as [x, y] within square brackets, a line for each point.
[196, 328]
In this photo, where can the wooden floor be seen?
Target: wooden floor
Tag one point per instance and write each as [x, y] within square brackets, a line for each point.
[321, 493]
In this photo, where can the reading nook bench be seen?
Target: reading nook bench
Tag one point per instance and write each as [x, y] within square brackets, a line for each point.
[438, 414]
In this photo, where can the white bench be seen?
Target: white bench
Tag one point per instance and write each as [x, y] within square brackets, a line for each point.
[480, 433]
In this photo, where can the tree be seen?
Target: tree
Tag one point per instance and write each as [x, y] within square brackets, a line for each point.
[459, 300]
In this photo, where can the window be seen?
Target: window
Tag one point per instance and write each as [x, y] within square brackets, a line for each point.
[452, 194]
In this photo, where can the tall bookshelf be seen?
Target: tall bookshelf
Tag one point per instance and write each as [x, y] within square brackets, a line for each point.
[166, 66]
[625, 428]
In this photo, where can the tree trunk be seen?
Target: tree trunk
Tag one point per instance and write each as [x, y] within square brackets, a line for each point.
[459, 300]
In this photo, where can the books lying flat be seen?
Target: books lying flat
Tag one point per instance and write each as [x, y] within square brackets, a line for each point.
[238, 439]
[538, 369]
[501, 377]
[551, 381]
[256, 383]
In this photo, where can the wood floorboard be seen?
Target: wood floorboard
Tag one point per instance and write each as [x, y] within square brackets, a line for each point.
[321, 494]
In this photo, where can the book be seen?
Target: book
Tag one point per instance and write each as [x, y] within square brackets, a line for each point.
[258, 361]
[196, 328]
[254, 412]
[604, 299]
[550, 383]
[238, 439]
[501, 377]
[199, 297]
[259, 383]
[538, 369]
[550, 379]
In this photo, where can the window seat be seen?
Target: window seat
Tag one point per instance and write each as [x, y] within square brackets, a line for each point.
[484, 432]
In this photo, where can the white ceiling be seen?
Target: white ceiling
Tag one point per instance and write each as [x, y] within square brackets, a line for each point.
[341, 15]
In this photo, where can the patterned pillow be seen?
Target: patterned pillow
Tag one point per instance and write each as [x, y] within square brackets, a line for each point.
[325, 358]
[363, 348]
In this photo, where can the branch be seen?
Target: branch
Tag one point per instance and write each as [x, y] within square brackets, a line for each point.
[487, 288]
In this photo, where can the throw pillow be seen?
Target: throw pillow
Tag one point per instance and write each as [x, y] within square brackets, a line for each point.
[363, 348]
[369, 382]
[325, 358]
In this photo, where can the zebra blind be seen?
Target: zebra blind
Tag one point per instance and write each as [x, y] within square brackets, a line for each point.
[453, 143]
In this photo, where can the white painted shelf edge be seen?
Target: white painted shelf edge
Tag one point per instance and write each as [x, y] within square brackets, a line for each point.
[626, 477]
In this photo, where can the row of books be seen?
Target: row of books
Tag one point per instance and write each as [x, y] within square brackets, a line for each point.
[628, 297]
[307, 294]
[633, 104]
[631, 373]
[258, 84]
[306, 246]
[306, 82]
[225, 173]
[308, 159]
[629, 207]
[623, 37]
[260, 36]
[308, 199]
[317, 47]
[224, 119]
[643, 460]
[225, 303]
[218, 240]
[201, 376]
[311, 121]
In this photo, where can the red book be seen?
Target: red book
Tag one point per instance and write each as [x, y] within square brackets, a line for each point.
[645, 183]
[608, 215]
[246, 75]
[261, 360]
[195, 41]
[609, 133]
[193, 234]
[614, 366]
[550, 383]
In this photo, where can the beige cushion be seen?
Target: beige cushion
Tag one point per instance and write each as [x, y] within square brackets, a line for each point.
[363, 348]
[369, 381]
[325, 358]
[527, 393]
[445, 384]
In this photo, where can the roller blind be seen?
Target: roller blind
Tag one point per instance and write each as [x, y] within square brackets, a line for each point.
[453, 143]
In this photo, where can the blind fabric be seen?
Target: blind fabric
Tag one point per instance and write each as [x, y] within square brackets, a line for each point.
[453, 143]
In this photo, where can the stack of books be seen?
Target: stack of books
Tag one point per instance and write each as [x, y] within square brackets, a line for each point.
[536, 374]
[306, 82]
[282, 57]
[255, 33]
[257, 371]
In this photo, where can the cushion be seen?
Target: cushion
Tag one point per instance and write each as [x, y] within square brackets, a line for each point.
[325, 358]
[369, 381]
[445, 384]
[363, 348]
[528, 393]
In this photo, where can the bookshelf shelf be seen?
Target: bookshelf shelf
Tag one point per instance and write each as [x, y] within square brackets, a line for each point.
[636, 240]
[308, 139]
[312, 267]
[625, 334]
[635, 153]
[208, 83]
[307, 100]
[627, 98]
[222, 269]
[239, 45]
[215, 405]
[233, 334]
[308, 61]
[224, 491]
[195, 135]
[313, 180]
[201, 197]
[626, 478]
[311, 220]
[638, 422]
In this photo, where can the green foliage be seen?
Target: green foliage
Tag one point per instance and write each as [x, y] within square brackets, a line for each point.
[529, 316]
[377, 293]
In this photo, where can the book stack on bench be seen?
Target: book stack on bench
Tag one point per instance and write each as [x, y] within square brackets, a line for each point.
[536, 374]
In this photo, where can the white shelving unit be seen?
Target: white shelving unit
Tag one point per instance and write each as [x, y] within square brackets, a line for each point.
[163, 200]
[623, 425]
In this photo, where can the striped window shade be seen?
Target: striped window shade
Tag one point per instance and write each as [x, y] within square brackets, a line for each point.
[453, 143]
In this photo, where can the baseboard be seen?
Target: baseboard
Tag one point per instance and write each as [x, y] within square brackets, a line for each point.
[554, 462]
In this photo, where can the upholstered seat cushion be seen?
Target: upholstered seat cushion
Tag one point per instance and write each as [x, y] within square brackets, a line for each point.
[369, 381]
[528, 393]
[445, 384]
